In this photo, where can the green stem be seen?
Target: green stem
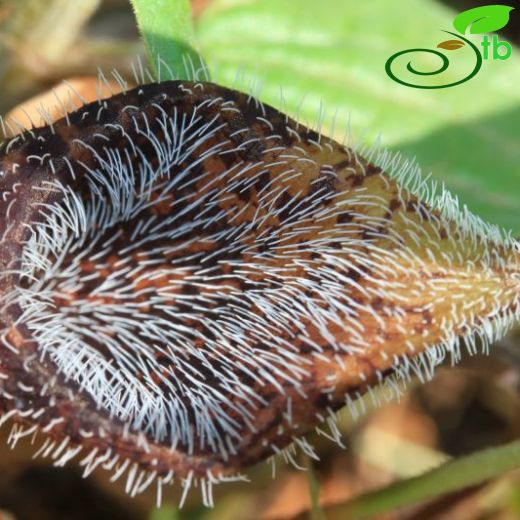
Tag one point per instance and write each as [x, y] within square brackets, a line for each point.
[316, 512]
[167, 30]
[450, 477]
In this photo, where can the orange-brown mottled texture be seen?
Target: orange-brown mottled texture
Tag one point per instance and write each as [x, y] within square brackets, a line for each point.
[414, 274]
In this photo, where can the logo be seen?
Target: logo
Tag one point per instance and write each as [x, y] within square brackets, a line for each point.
[479, 20]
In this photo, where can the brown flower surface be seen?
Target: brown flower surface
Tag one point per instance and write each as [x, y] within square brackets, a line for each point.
[191, 281]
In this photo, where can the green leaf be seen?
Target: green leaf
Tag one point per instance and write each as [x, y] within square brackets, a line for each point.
[488, 18]
[167, 30]
[467, 135]
[451, 476]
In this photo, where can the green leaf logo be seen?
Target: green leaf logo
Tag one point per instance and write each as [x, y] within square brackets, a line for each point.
[483, 19]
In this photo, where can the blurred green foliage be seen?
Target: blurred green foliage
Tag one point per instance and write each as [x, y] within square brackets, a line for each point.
[335, 51]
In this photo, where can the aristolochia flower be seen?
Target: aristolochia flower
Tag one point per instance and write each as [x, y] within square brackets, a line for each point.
[190, 281]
